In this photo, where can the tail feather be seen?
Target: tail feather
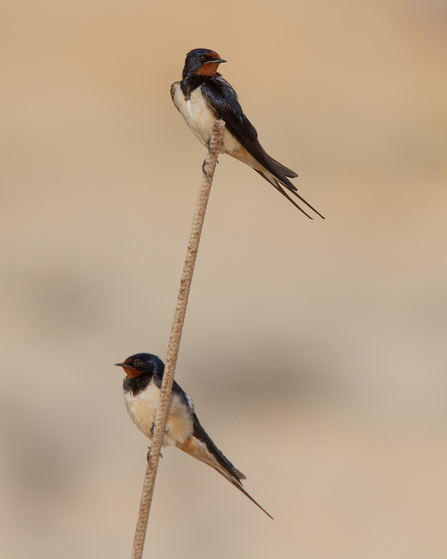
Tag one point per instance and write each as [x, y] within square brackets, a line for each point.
[283, 169]
[238, 484]
[277, 184]
[201, 447]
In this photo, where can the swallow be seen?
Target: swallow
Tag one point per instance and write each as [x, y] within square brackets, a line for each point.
[141, 388]
[203, 96]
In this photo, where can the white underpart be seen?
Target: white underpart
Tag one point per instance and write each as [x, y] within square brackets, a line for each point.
[201, 120]
[142, 410]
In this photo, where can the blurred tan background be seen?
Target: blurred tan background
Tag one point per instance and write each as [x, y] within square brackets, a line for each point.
[315, 352]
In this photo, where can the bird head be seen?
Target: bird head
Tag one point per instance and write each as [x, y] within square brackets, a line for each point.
[201, 62]
[142, 363]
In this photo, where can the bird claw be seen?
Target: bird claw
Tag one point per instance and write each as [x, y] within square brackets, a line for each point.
[204, 165]
[149, 455]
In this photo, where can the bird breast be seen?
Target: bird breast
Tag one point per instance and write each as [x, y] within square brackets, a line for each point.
[200, 119]
[142, 409]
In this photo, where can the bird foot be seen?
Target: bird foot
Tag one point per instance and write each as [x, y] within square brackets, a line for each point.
[203, 167]
[149, 455]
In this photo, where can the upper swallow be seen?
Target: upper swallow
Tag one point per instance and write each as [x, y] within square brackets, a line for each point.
[203, 96]
[183, 429]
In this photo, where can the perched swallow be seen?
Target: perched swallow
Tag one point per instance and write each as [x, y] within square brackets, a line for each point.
[183, 429]
[204, 96]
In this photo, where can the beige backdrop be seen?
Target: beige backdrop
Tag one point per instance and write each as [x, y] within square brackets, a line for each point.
[315, 352]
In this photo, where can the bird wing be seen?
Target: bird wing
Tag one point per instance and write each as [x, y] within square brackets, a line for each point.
[200, 433]
[222, 100]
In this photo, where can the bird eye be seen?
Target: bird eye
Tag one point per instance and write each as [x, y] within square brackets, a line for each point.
[137, 363]
[202, 57]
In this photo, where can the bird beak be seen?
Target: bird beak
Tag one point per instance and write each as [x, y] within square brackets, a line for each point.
[217, 61]
[120, 365]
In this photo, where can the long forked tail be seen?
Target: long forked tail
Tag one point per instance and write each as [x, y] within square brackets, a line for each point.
[292, 189]
[201, 447]
[238, 484]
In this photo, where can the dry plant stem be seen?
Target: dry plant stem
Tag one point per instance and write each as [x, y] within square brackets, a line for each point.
[174, 340]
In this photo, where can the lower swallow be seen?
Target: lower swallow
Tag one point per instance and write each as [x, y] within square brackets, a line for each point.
[144, 376]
